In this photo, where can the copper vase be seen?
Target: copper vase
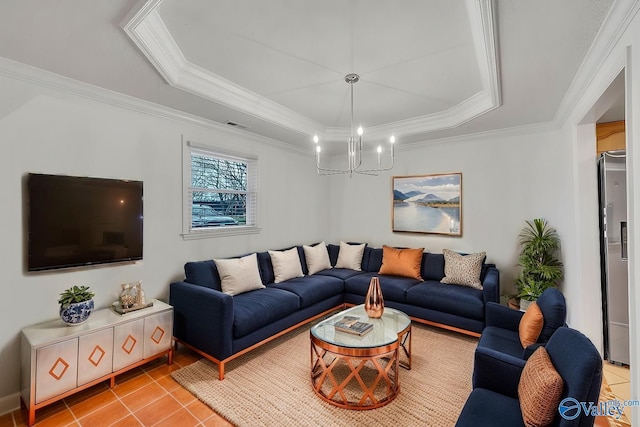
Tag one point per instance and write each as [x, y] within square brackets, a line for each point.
[374, 303]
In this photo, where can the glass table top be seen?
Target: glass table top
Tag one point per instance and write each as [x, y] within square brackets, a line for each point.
[385, 330]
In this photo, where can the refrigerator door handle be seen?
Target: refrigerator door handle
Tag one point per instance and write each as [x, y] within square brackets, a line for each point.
[623, 240]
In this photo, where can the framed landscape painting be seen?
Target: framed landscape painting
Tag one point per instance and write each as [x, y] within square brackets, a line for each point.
[428, 204]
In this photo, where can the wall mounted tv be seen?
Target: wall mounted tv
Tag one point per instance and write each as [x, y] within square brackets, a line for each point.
[78, 221]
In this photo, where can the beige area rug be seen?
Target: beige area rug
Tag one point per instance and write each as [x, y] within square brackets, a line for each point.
[271, 386]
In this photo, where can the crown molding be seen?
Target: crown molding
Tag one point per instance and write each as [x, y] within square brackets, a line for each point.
[201, 82]
[615, 24]
[147, 30]
[52, 81]
[150, 34]
[514, 131]
[466, 111]
[481, 19]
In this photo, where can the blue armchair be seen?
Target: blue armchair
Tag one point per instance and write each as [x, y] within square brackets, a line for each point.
[499, 348]
[578, 363]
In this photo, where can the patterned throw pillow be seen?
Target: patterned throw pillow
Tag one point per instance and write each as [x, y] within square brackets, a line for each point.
[530, 325]
[539, 390]
[463, 269]
[401, 262]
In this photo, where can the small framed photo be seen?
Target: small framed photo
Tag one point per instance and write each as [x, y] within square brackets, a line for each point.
[428, 204]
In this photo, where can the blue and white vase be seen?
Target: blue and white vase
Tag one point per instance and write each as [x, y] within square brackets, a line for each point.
[76, 313]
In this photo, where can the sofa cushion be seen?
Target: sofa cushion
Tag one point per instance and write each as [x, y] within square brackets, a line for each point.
[238, 275]
[463, 269]
[393, 288]
[255, 309]
[333, 253]
[317, 257]
[373, 262]
[539, 390]
[312, 289]
[554, 310]
[266, 269]
[286, 264]
[480, 410]
[401, 262]
[503, 340]
[530, 325]
[432, 266]
[350, 256]
[459, 300]
[340, 273]
[203, 273]
[303, 260]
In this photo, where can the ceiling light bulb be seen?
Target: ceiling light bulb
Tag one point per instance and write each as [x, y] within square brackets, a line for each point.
[379, 149]
[315, 139]
[360, 131]
[392, 139]
[318, 149]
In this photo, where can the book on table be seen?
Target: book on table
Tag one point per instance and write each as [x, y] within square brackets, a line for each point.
[353, 325]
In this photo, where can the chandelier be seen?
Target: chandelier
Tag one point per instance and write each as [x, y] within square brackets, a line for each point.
[354, 147]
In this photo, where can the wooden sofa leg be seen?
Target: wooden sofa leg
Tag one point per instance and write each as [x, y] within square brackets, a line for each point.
[221, 371]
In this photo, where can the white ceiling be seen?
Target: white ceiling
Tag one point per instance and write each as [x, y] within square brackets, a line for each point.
[298, 56]
[429, 68]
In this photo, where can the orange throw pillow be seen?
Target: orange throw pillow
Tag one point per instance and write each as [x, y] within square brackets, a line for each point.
[539, 389]
[401, 262]
[530, 325]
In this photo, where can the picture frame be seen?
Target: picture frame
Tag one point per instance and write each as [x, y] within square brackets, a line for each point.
[430, 204]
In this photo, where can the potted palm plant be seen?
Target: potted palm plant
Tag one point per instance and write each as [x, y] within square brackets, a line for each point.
[540, 267]
[76, 304]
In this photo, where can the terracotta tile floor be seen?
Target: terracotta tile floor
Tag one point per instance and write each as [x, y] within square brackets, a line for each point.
[148, 396]
[145, 396]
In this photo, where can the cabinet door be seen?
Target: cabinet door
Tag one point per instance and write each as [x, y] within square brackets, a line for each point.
[157, 333]
[95, 355]
[128, 341]
[56, 369]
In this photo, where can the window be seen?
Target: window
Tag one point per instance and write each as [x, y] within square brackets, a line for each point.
[219, 192]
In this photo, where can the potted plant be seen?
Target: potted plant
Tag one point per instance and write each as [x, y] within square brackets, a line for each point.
[541, 269]
[76, 304]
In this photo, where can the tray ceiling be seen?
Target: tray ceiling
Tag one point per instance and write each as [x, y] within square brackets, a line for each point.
[429, 68]
[424, 65]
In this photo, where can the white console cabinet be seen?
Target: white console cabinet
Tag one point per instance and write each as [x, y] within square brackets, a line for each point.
[58, 360]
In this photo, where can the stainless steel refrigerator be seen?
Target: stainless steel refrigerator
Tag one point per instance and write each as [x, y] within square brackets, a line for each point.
[612, 181]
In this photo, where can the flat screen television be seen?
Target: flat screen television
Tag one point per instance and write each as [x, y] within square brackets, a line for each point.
[79, 221]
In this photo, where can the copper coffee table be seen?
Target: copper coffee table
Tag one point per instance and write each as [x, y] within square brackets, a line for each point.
[360, 372]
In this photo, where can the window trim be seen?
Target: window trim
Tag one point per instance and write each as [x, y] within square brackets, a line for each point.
[188, 233]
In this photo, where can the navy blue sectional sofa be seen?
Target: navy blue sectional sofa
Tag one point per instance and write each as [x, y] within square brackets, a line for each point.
[221, 327]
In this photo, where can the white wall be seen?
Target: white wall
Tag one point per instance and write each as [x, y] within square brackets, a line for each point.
[507, 178]
[50, 131]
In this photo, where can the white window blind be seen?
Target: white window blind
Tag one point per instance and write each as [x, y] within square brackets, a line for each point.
[220, 192]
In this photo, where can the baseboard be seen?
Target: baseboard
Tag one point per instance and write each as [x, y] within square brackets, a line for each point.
[9, 403]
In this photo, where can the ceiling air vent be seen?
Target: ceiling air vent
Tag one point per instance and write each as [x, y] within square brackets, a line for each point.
[236, 125]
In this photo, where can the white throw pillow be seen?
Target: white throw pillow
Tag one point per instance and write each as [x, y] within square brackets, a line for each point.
[239, 275]
[286, 264]
[317, 257]
[350, 256]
